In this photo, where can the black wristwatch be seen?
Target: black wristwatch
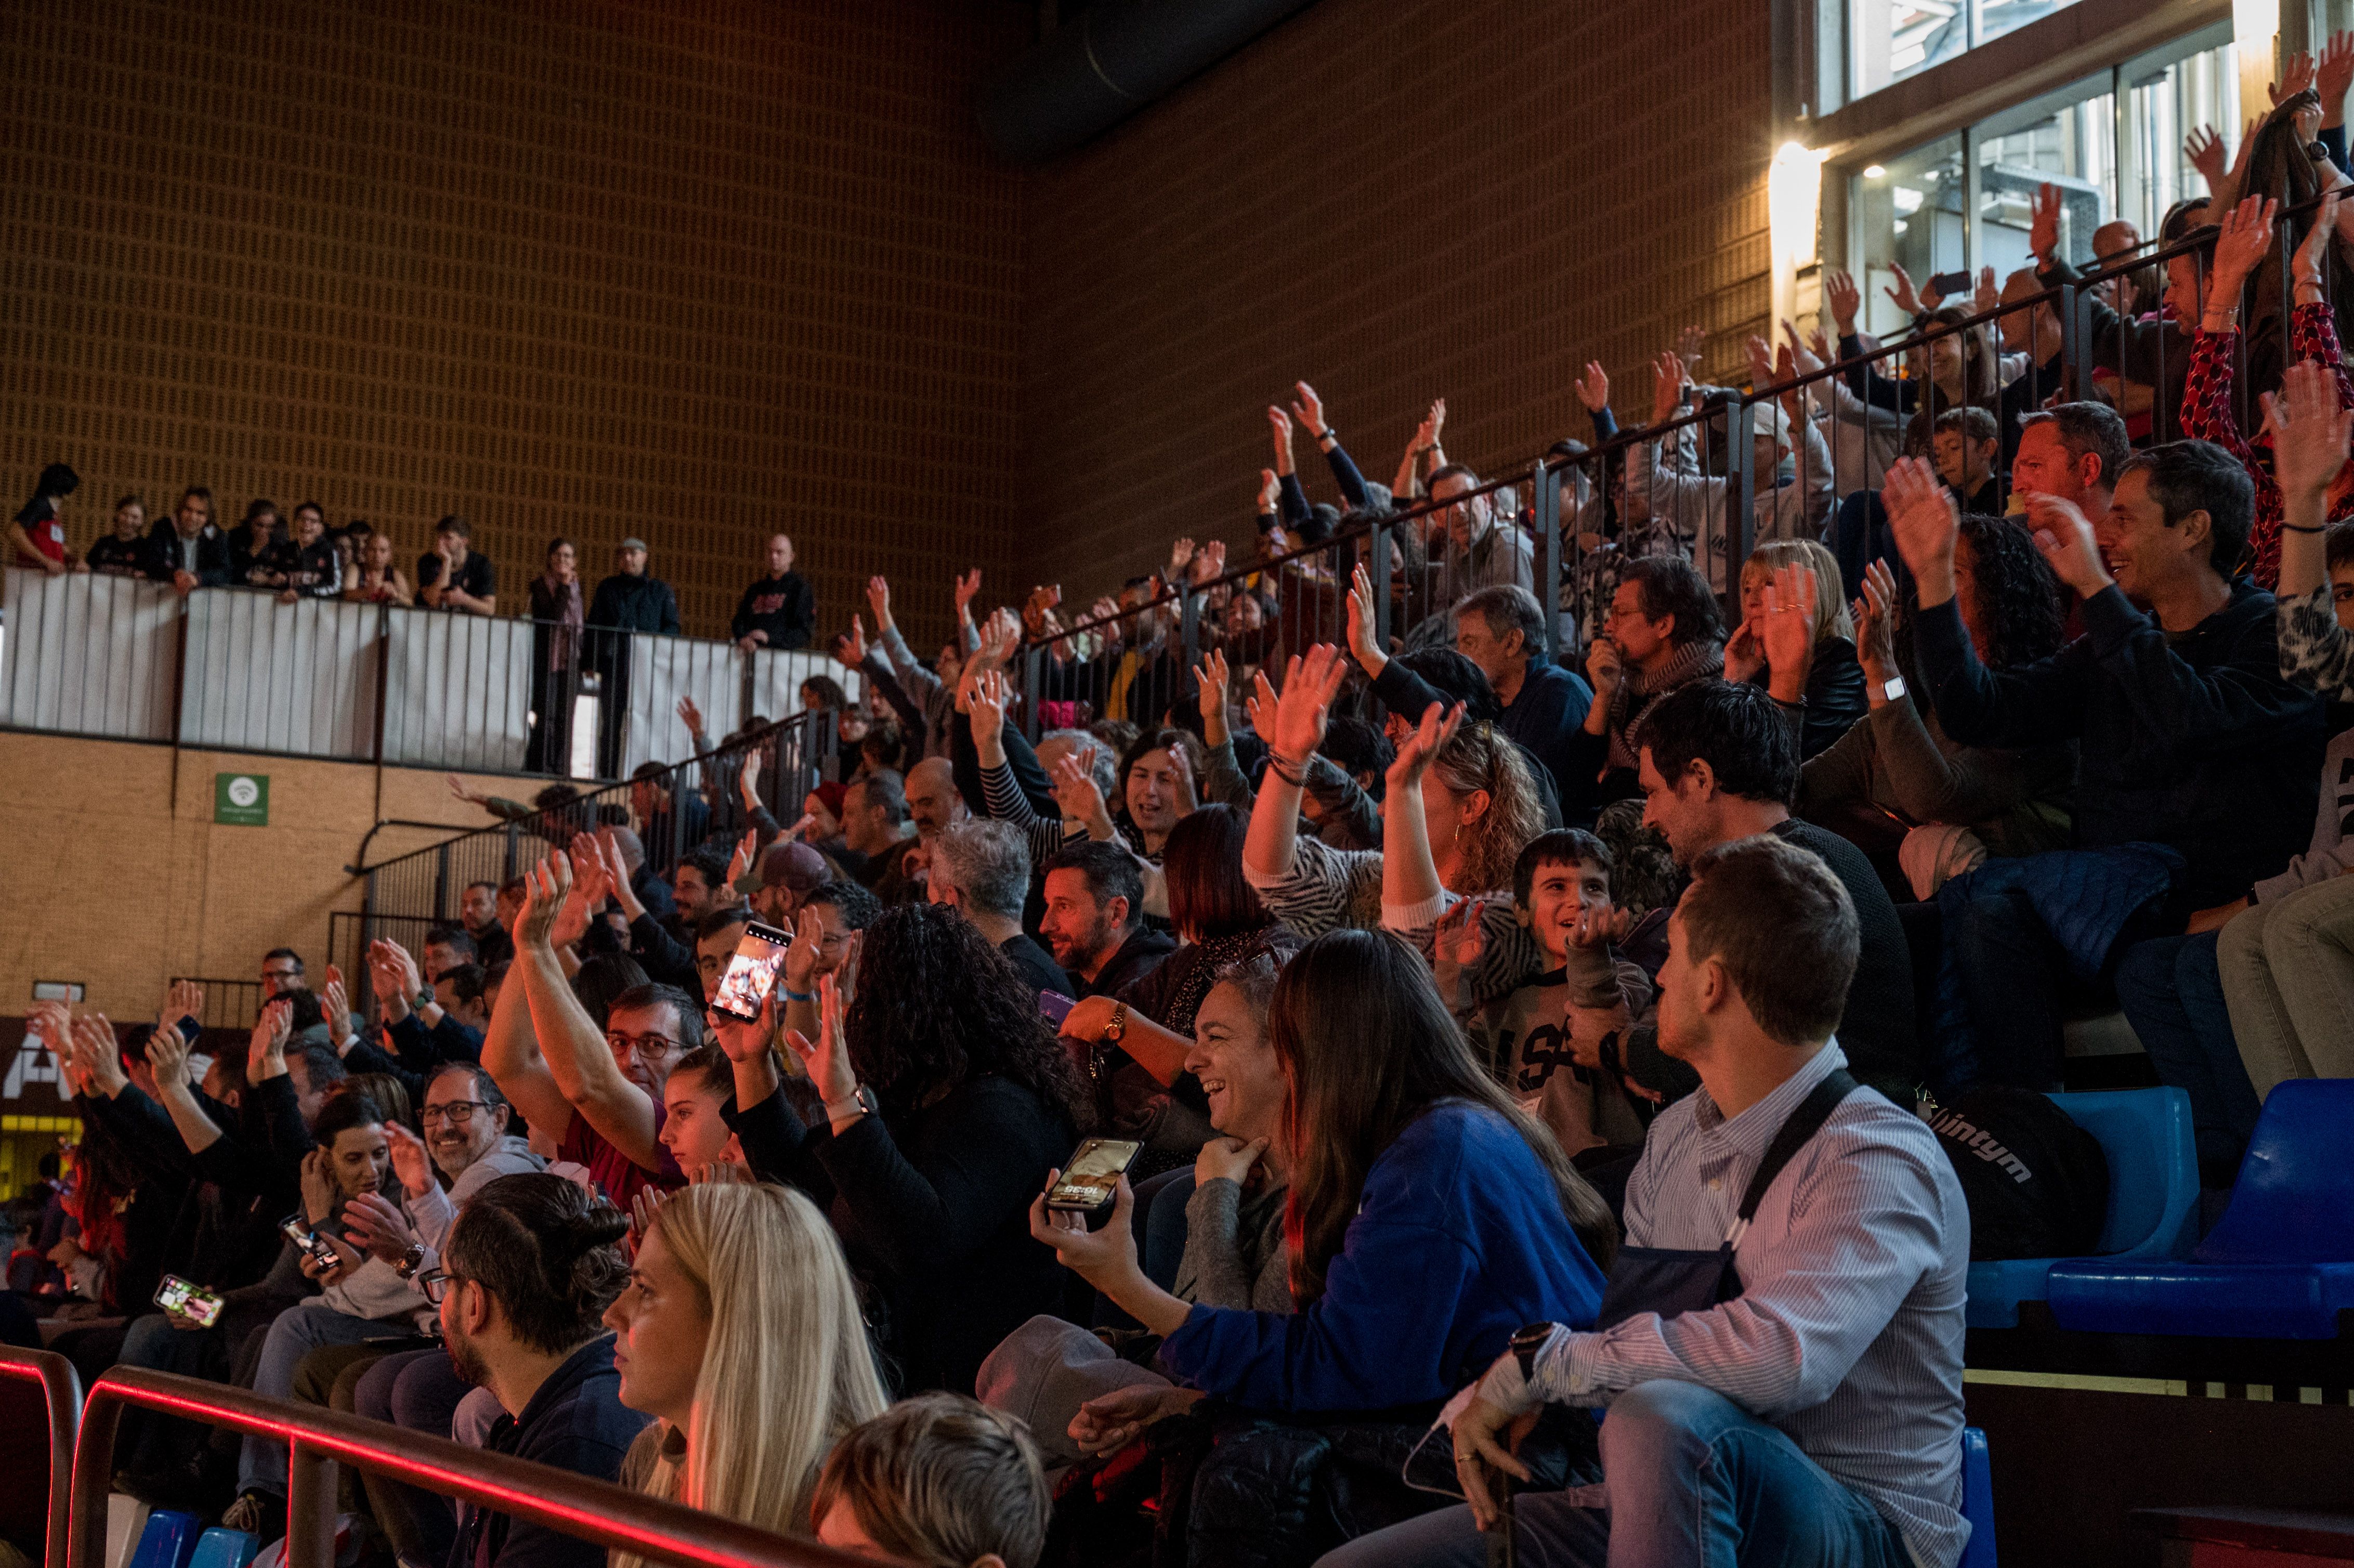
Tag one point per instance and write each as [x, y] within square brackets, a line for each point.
[411, 1262]
[1525, 1346]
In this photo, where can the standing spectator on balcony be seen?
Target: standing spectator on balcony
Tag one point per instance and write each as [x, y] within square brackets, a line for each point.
[555, 621]
[253, 546]
[305, 564]
[372, 578]
[451, 575]
[192, 552]
[39, 531]
[629, 601]
[1966, 448]
[1663, 633]
[127, 552]
[778, 611]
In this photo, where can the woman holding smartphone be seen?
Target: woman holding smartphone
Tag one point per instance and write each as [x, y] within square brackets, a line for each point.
[947, 1099]
[1431, 1216]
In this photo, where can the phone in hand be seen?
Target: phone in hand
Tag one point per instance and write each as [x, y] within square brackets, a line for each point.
[295, 1228]
[1949, 284]
[193, 1302]
[752, 971]
[1091, 1180]
[1056, 1006]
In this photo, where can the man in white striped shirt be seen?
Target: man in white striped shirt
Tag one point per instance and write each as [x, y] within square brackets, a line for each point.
[1814, 1418]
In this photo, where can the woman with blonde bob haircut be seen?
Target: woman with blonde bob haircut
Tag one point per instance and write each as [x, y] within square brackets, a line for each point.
[741, 1330]
[1820, 680]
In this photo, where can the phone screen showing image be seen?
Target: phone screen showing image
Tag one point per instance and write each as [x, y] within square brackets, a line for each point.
[193, 1302]
[752, 971]
[1092, 1179]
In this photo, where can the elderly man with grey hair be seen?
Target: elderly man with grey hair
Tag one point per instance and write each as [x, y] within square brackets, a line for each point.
[981, 869]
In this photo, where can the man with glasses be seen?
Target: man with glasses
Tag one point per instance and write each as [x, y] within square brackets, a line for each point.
[282, 970]
[598, 1093]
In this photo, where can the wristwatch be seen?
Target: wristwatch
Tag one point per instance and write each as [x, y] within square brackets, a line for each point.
[422, 1000]
[862, 1099]
[1527, 1343]
[1118, 1027]
[1894, 690]
[411, 1262]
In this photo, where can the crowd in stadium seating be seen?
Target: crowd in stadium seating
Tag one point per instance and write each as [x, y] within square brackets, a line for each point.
[1486, 1041]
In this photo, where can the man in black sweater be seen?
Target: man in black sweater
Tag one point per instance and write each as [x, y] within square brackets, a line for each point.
[2188, 736]
[780, 609]
[1719, 761]
[630, 600]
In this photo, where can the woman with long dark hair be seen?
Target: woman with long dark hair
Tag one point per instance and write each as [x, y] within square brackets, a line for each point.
[1952, 805]
[947, 1099]
[1430, 1216]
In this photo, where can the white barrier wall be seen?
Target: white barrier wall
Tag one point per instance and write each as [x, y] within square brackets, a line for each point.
[83, 655]
[456, 691]
[296, 678]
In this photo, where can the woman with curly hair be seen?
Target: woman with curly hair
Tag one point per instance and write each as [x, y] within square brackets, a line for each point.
[1899, 774]
[946, 1101]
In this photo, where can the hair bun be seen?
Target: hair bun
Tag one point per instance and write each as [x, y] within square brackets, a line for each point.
[602, 1225]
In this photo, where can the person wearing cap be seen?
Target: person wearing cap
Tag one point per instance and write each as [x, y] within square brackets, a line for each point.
[39, 531]
[450, 576]
[780, 609]
[631, 600]
[789, 871]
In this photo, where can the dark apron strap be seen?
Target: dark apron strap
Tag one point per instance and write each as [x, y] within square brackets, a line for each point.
[1802, 1124]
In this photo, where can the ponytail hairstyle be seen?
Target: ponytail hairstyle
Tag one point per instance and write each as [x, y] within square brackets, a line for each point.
[785, 1369]
[1366, 1047]
[549, 1251]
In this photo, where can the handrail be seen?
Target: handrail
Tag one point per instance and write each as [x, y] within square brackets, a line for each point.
[61, 1387]
[586, 1510]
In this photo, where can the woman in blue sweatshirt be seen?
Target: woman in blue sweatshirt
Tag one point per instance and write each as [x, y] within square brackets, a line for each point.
[1429, 1215]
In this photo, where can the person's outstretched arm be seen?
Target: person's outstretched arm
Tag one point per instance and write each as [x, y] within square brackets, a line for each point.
[570, 1044]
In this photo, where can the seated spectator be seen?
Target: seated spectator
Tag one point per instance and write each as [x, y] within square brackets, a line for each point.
[364, 1298]
[780, 611]
[1348, 762]
[934, 804]
[1667, 480]
[253, 546]
[478, 912]
[739, 1332]
[645, 884]
[827, 921]
[305, 564]
[1095, 898]
[1480, 812]
[449, 1022]
[452, 575]
[190, 550]
[1966, 448]
[1432, 1215]
[932, 690]
[1663, 632]
[445, 946]
[1720, 763]
[936, 1480]
[2154, 349]
[373, 578]
[597, 1091]
[127, 552]
[697, 1098]
[532, 1266]
[981, 869]
[715, 938]
[876, 825]
[1954, 804]
[947, 1099]
[2191, 740]
[651, 801]
[1821, 1406]
[1214, 1237]
[1818, 680]
[281, 971]
[2034, 333]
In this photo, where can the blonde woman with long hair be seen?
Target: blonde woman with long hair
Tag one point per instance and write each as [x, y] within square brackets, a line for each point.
[1816, 675]
[741, 1331]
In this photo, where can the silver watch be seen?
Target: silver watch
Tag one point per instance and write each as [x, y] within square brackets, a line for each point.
[1894, 690]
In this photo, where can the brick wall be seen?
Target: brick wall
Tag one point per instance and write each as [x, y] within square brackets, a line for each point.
[688, 268]
[1397, 200]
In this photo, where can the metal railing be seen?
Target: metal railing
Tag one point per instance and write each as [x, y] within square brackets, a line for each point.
[61, 1393]
[318, 1440]
[228, 1003]
[235, 669]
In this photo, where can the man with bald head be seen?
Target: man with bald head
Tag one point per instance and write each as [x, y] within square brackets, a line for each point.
[934, 806]
[780, 609]
[2033, 330]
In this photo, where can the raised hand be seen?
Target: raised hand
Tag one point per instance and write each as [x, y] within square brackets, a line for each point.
[1990, 292]
[968, 585]
[1787, 635]
[1761, 362]
[1309, 410]
[1181, 555]
[826, 1060]
[2065, 537]
[749, 1042]
[547, 889]
[1900, 292]
[1844, 299]
[167, 1058]
[99, 1054]
[1270, 491]
[2309, 430]
[2333, 75]
[1420, 748]
[1293, 723]
[335, 1001]
[1279, 428]
[1923, 517]
[2296, 78]
[1875, 618]
[1594, 387]
[2203, 150]
[1460, 939]
[2044, 223]
[2247, 238]
[1078, 797]
[878, 601]
[465, 791]
[1426, 436]
[690, 716]
[748, 778]
[1209, 563]
[185, 998]
[410, 1160]
[854, 644]
[1692, 343]
[1211, 677]
[2305, 270]
[1668, 378]
[1363, 647]
[985, 707]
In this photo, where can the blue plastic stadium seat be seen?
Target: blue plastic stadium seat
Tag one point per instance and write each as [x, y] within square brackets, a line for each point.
[2280, 1264]
[1977, 1500]
[2153, 1195]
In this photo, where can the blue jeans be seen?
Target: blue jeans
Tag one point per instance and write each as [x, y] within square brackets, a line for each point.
[2172, 995]
[295, 1333]
[1690, 1482]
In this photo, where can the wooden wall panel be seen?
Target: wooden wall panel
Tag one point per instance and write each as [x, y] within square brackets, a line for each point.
[691, 270]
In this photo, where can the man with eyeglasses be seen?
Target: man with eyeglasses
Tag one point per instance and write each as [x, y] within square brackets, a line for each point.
[282, 970]
[598, 1093]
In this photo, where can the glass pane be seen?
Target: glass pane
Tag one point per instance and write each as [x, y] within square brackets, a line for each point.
[1997, 17]
[1891, 39]
[2072, 146]
[1911, 213]
[2163, 107]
